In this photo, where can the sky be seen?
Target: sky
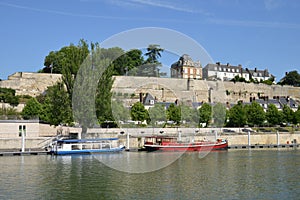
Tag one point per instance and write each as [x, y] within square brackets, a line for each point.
[262, 34]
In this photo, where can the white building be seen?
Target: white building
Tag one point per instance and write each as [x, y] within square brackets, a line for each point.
[227, 72]
[222, 72]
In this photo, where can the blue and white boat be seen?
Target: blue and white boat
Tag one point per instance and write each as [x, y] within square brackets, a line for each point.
[86, 146]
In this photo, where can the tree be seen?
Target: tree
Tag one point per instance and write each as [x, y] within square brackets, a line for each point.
[174, 113]
[189, 115]
[219, 114]
[151, 65]
[56, 108]
[32, 109]
[157, 113]
[128, 62]
[297, 116]
[237, 115]
[138, 112]
[120, 113]
[205, 114]
[287, 114]
[273, 116]
[255, 114]
[67, 62]
[291, 78]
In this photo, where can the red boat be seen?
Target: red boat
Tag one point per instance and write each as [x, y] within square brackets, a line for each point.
[165, 143]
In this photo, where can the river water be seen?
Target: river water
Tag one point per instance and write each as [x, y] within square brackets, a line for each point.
[232, 174]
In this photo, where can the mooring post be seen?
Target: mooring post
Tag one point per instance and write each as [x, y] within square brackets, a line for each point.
[249, 141]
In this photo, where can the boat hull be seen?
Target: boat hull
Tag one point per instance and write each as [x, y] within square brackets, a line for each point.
[187, 147]
[87, 151]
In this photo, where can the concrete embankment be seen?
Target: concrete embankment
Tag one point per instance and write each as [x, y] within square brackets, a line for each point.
[137, 137]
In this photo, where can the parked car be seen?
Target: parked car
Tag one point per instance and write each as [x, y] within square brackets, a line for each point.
[247, 130]
[228, 131]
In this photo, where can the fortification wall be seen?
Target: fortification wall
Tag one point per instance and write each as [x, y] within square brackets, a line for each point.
[33, 84]
[164, 89]
[168, 89]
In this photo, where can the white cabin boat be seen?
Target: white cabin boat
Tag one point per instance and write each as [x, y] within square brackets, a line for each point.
[86, 146]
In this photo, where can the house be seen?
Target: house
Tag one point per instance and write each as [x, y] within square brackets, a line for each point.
[222, 72]
[185, 67]
[227, 72]
[258, 75]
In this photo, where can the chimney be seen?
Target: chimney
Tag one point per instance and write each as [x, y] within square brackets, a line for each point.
[218, 63]
[141, 97]
[255, 69]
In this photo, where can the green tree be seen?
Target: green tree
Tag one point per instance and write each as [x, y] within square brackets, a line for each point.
[190, 115]
[219, 114]
[273, 116]
[120, 113]
[56, 108]
[237, 116]
[151, 65]
[174, 113]
[255, 114]
[138, 112]
[128, 62]
[291, 78]
[205, 114]
[287, 114]
[9, 113]
[67, 62]
[32, 109]
[157, 113]
[297, 116]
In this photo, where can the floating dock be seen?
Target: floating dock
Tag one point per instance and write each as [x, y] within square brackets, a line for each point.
[26, 153]
[263, 146]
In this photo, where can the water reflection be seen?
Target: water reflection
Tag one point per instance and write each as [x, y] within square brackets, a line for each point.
[236, 174]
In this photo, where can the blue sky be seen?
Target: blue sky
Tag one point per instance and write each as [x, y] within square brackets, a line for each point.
[256, 33]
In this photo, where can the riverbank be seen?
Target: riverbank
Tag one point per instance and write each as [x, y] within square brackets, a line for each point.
[133, 138]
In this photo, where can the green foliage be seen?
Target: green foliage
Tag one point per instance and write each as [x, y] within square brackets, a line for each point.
[237, 78]
[219, 114]
[56, 108]
[157, 113]
[237, 116]
[32, 109]
[9, 113]
[127, 63]
[190, 115]
[174, 113]
[120, 113]
[7, 95]
[288, 114]
[291, 78]
[151, 66]
[297, 116]
[205, 113]
[138, 112]
[273, 116]
[255, 114]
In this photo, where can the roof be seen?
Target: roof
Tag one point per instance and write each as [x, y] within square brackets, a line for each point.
[85, 140]
[186, 60]
[212, 67]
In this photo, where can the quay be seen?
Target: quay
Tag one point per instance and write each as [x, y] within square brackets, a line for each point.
[263, 146]
[25, 153]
